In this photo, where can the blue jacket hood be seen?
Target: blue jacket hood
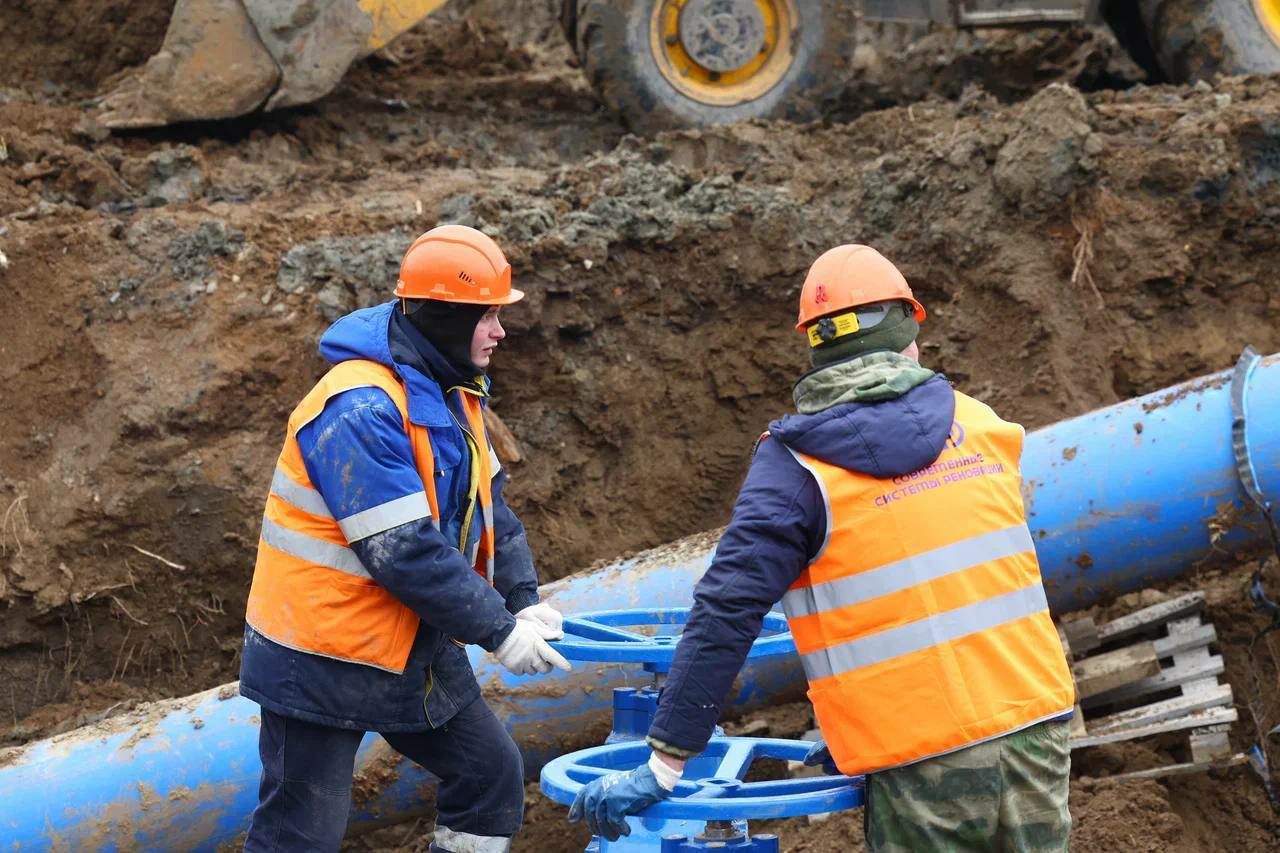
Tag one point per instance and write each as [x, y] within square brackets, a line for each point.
[365, 334]
[883, 439]
[361, 334]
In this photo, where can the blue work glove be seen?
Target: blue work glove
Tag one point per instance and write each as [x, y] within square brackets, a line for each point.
[819, 754]
[606, 802]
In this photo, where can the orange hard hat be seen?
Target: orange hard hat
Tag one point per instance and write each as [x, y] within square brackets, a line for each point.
[848, 276]
[455, 263]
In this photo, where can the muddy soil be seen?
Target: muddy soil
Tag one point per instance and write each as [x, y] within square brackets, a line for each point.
[1075, 245]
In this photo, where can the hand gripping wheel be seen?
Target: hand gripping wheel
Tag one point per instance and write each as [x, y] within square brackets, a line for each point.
[712, 802]
[712, 790]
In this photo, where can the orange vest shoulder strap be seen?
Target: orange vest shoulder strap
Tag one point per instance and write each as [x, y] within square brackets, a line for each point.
[1008, 434]
[361, 373]
[345, 376]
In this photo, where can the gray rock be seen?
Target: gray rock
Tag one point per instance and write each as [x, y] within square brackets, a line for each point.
[343, 273]
[458, 210]
[1046, 158]
[189, 252]
[171, 175]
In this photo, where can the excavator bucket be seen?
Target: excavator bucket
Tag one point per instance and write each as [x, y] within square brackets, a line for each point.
[224, 58]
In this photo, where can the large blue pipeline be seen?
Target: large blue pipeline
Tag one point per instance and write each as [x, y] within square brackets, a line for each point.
[1141, 491]
[1118, 498]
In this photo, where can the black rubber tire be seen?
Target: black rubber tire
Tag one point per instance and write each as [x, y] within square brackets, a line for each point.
[1194, 39]
[613, 46]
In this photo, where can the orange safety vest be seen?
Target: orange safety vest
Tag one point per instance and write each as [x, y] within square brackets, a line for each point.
[922, 623]
[310, 592]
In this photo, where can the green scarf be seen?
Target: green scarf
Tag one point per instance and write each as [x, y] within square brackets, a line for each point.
[870, 378]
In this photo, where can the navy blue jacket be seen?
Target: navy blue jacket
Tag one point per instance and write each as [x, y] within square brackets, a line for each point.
[778, 525]
[358, 456]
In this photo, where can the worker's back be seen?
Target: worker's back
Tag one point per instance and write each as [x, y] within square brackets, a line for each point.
[921, 620]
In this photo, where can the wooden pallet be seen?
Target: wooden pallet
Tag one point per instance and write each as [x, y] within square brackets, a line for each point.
[1164, 679]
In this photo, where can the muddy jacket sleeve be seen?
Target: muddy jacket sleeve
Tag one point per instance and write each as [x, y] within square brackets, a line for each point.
[778, 522]
[359, 458]
[514, 574]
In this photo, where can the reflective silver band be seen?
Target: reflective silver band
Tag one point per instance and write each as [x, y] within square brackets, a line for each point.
[385, 516]
[903, 574]
[473, 554]
[826, 503]
[304, 547]
[486, 513]
[465, 842]
[925, 633]
[303, 497]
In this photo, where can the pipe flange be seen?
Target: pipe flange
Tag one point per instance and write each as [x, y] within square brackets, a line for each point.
[722, 35]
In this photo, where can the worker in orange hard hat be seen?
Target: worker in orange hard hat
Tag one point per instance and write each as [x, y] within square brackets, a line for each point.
[887, 517]
[386, 548]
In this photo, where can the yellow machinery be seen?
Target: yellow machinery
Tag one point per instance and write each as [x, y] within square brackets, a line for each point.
[672, 63]
[658, 63]
[224, 58]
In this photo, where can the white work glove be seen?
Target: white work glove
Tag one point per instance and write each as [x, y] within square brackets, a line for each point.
[525, 650]
[546, 616]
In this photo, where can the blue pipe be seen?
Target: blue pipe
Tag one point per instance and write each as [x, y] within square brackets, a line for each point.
[183, 774]
[1117, 499]
[1137, 493]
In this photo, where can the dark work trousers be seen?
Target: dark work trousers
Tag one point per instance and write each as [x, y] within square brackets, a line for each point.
[305, 795]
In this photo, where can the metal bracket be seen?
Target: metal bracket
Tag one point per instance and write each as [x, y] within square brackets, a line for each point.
[1003, 13]
[981, 13]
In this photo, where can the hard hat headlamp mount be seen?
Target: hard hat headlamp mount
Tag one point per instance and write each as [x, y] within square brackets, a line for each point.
[835, 326]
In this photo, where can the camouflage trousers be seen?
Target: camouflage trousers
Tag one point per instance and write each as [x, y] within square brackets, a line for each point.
[1008, 794]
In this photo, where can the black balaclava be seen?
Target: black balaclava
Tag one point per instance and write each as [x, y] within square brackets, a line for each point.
[449, 326]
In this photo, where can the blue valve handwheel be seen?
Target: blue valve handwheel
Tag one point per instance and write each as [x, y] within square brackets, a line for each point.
[603, 636]
[712, 788]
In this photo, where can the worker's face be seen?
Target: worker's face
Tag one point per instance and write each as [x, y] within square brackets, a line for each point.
[912, 352]
[485, 338]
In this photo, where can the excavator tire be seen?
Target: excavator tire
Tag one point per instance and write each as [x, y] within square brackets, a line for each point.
[633, 52]
[1195, 39]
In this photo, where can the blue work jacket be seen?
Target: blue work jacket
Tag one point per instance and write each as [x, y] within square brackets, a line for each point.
[358, 455]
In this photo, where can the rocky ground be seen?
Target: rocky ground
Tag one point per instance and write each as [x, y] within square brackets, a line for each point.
[1078, 237]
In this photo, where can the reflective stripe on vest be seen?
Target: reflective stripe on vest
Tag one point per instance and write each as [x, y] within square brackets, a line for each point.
[924, 633]
[922, 622]
[903, 574]
[310, 591]
[331, 556]
[303, 497]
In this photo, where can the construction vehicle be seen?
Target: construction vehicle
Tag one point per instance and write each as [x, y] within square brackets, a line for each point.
[658, 63]
[679, 63]
[226, 58]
